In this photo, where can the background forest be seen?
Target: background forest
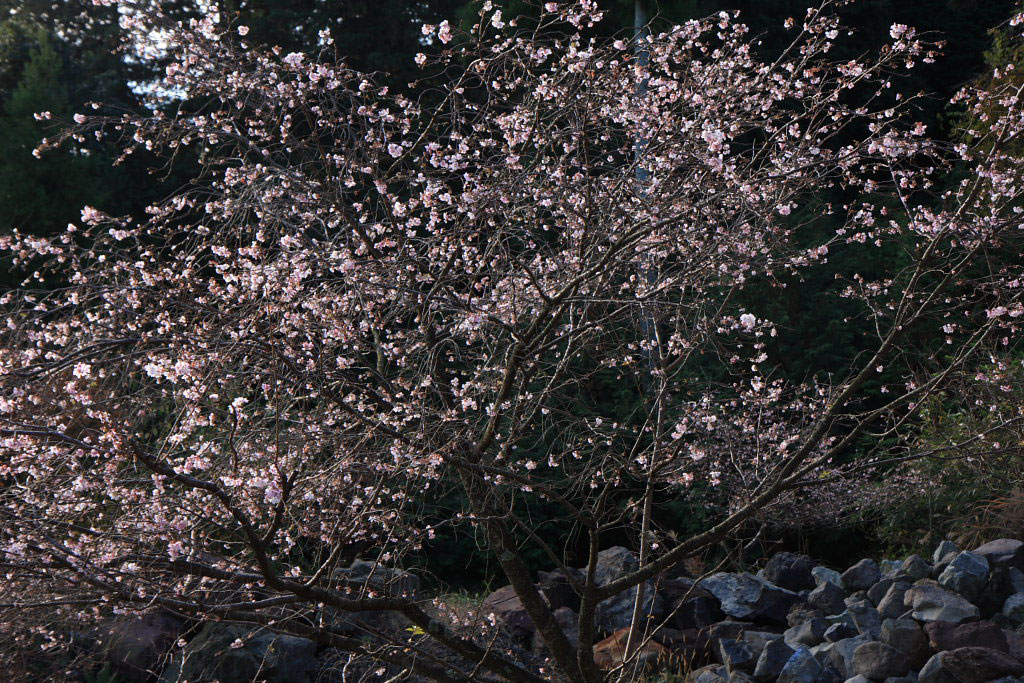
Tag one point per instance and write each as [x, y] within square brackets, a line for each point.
[57, 56]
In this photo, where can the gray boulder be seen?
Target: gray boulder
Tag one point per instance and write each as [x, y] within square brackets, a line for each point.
[614, 563]
[772, 660]
[802, 667]
[966, 574]
[841, 653]
[866, 619]
[1003, 581]
[879, 661]
[746, 596]
[568, 621]
[829, 675]
[979, 664]
[617, 611]
[858, 679]
[891, 605]
[135, 647]
[711, 674]
[934, 672]
[890, 568]
[931, 602]
[907, 636]
[509, 612]
[759, 639]
[1013, 609]
[1003, 552]
[801, 612]
[825, 575]
[231, 653]
[878, 591]
[861, 576]
[943, 635]
[945, 550]
[736, 655]
[808, 633]
[841, 631]
[790, 571]
[382, 579]
[916, 567]
[689, 607]
[828, 597]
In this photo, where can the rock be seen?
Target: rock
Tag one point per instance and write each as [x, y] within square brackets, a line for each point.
[837, 632]
[943, 551]
[1015, 642]
[802, 667]
[829, 675]
[1003, 581]
[890, 568]
[801, 612]
[610, 652]
[825, 575]
[866, 619]
[1013, 609]
[759, 639]
[943, 635]
[979, 664]
[557, 590]
[790, 571]
[614, 563]
[728, 629]
[878, 591]
[215, 654]
[690, 648]
[689, 607]
[842, 651]
[135, 647]
[861, 576]
[857, 596]
[616, 612]
[891, 605]
[736, 655]
[1003, 552]
[931, 602]
[907, 636]
[739, 677]
[506, 607]
[808, 633]
[710, 674]
[909, 678]
[916, 567]
[773, 658]
[878, 661]
[745, 596]
[568, 621]
[382, 579]
[858, 679]
[828, 597]
[842, 618]
[966, 574]
[934, 672]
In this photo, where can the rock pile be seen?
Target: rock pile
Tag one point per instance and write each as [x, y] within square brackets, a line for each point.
[954, 619]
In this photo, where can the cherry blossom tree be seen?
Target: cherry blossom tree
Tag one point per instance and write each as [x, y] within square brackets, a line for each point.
[363, 295]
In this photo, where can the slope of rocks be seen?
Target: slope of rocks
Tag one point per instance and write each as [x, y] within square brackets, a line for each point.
[952, 618]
